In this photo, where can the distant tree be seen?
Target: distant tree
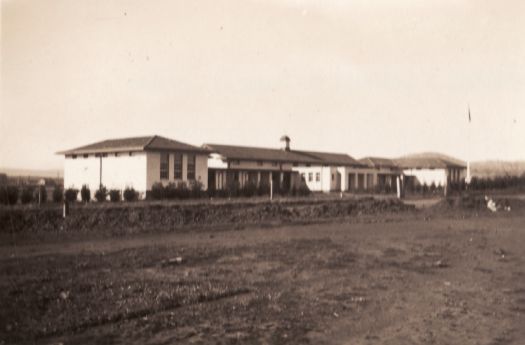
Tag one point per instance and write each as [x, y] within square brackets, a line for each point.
[27, 195]
[3, 179]
[58, 194]
[43, 193]
[9, 195]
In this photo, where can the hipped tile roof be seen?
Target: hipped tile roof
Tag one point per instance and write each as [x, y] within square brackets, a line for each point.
[279, 155]
[377, 162]
[147, 143]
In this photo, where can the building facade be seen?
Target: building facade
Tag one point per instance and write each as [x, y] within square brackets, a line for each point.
[432, 169]
[379, 174]
[244, 165]
[135, 162]
[286, 168]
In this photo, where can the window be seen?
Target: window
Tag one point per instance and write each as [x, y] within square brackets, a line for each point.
[191, 167]
[177, 167]
[86, 156]
[74, 156]
[116, 154]
[164, 166]
[260, 163]
[130, 153]
[104, 155]
[317, 177]
[310, 177]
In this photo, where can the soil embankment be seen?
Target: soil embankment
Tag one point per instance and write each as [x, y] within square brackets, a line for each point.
[119, 219]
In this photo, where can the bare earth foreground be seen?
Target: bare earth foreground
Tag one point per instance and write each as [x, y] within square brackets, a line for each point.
[443, 280]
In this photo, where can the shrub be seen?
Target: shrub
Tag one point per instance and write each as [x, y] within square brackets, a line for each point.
[303, 189]
[249, 189]
[233, 188]
[182, 191]
[264, 189]
[27, 195]
[219, 193]
[130, 194]
[196, 189]
[157, 191]
[101, 194]
[58, 194]
[71, 194]
[85, 193]
[173, 191]
[114, 195]
[8, 195]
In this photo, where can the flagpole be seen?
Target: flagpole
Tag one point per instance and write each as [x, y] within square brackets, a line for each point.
[467, 180]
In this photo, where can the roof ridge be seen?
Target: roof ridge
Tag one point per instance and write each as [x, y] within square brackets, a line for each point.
[243, 146]
[331, 153]
[149, 141]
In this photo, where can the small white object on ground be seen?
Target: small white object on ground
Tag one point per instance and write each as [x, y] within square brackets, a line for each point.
[491, 205]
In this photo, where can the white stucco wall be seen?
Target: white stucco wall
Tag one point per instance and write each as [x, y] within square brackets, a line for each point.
[215, 161]
[201, 170]
[140, 171]
[117, 172]
[325, 183]
[341, 177]
[82, 171]
[428, 176]
[124, 171]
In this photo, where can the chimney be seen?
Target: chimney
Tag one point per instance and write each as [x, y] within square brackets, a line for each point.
[286, 140]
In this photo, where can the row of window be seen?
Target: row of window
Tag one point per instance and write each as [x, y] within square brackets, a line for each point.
[317, 177]
[116, 154]
[311, 177]
[261, 163]
[177, 166]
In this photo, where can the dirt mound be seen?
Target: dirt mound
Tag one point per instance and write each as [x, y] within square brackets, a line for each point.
[139, 218]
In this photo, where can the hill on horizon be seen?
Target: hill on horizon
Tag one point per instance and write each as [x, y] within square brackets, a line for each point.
[49, 173]
[493, 168]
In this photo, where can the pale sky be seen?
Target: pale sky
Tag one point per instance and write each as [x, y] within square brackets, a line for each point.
[381, 78]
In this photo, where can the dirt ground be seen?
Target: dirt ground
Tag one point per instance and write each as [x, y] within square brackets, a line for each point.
[443, 279]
